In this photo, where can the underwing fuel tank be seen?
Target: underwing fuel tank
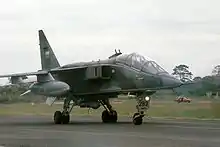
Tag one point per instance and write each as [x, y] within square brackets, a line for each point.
[50, 88]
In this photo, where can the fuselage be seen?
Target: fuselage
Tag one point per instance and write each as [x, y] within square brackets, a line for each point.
[111, 75]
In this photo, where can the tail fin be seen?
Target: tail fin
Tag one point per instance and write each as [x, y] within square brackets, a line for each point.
[48, 58]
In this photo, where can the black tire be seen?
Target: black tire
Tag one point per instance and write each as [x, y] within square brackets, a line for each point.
[135, 115]
[57, 117]
[65, 119]
[114, 116]
[138, 120]
[105, 116]
[109, 117]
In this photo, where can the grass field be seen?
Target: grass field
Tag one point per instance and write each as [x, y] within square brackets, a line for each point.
[158, 108]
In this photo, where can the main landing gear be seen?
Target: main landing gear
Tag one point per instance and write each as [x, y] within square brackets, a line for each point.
[64, 116]
[108, 115]
[142, 106]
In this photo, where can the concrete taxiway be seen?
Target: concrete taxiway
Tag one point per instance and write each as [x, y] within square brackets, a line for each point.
[39, 131]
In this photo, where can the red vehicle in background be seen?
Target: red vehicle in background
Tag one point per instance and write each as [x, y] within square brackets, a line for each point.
[183, 99]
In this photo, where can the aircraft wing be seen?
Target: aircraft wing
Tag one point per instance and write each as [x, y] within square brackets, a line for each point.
[24, 74]
[40, 72]
[18, 77]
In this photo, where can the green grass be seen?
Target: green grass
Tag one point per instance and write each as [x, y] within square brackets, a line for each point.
[158, 108]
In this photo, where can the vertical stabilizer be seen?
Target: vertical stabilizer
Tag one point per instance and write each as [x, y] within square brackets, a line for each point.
[48, 58]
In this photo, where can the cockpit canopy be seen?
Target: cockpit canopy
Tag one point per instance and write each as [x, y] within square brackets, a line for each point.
[139, 62]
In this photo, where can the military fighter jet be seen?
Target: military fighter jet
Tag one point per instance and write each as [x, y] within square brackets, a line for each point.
[92, 84]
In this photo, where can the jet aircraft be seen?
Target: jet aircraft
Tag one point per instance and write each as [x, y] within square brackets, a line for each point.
[93, 84]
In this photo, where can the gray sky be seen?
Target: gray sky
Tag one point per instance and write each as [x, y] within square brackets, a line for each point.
[170, 32]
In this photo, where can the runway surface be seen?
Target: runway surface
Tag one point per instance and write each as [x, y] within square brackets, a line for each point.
[39, 131]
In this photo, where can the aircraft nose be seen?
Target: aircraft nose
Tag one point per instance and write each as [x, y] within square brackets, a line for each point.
[170, 81]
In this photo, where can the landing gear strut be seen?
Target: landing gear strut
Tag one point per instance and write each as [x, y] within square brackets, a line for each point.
[108, 115]
[64, 116]
[143, 104]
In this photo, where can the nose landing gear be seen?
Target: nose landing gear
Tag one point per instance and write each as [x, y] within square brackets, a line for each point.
[143, 104]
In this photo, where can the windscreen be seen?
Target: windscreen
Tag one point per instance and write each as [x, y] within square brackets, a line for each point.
[140, 62]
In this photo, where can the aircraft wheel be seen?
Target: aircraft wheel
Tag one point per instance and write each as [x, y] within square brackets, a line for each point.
[114, 116]
[65, 118]
[57, 117]
[137, 119]
[105, 116]
[109, 117]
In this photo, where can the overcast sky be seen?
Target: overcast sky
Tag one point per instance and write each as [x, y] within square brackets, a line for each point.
[170, 32]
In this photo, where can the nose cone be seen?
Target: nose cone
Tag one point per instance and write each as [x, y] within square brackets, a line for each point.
[170, 81]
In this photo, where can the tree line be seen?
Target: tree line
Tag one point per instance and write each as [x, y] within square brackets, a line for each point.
[11, 94]
[202, 85]
[184, 74]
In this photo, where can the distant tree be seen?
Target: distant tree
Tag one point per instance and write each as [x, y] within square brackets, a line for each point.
[182, 72]
[209, 83]
[197, 78]
[216, 71]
